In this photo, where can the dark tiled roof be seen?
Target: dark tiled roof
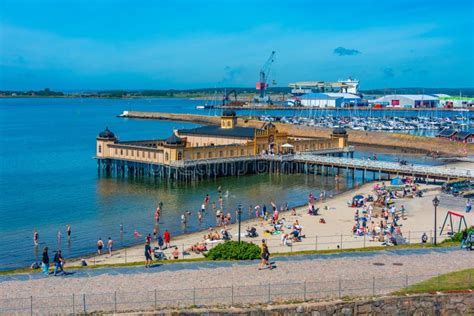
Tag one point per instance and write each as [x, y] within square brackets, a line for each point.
[463, 135]
[174, 140]
[229, 113]
[107, 134]
[241, 132]
[447, 133]
[339, 131]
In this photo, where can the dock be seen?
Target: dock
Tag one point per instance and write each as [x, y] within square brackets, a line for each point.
[331, 163]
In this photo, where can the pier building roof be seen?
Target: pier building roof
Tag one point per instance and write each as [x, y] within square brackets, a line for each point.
[229, 113]
[339, 131]
[173, 140]
[237, 131]
[107, 134]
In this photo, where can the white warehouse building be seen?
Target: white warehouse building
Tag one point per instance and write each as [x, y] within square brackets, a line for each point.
[408, 101]
[329, 99]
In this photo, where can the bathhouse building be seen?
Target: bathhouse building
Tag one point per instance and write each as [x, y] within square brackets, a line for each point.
[210, 142]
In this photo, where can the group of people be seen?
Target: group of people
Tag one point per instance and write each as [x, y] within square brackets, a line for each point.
[36, 235]
[58, 261]
[100, 246]
[365, 222]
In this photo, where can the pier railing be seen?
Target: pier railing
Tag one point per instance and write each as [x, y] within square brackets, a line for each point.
[228, 294]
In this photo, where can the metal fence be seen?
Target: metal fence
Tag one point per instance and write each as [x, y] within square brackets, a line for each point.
[317, 242]
[231, 295]
[275, 244]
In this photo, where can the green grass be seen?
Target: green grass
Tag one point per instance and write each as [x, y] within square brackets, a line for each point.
[275, 254]
[454, 281]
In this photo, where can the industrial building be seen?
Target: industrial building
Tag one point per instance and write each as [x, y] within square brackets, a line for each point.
[407, 101]
[344, 86]
[330, 100]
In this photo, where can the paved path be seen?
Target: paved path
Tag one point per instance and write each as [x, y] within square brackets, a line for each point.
[310, 276]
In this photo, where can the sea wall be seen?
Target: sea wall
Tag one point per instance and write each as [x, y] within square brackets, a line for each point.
[423, 304]
[400, 142]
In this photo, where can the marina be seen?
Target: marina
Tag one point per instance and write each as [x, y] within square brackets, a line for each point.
[419, 125]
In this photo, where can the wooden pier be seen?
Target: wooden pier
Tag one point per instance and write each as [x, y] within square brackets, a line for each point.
[329, 164]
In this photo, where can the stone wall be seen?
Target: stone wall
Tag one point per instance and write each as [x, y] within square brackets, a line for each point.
[421, 304]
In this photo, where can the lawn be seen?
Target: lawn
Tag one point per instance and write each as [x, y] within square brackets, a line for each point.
[454, 281]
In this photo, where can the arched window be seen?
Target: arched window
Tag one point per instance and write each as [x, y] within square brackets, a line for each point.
[180, 155]
[167, 156]
[100, 148]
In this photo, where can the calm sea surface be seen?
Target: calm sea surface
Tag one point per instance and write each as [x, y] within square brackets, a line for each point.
[48, 178]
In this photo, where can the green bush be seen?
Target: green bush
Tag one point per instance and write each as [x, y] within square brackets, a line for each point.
[458, 236]
[232, 250]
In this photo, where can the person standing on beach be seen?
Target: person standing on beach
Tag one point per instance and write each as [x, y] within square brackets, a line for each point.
[45, 261]
[100, 245]
[148, 257]
[160, 242]
[468, 206]
[35, 238]
[175, 253]
[206, 199]
[68, 228]
[199, 214]
[167, 238]
[110, 244]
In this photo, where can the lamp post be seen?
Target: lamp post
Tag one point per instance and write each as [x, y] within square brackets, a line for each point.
[435, 204]
[239, 214]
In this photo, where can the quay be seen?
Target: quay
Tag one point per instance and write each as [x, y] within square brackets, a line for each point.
[401, 142]
[325, 163]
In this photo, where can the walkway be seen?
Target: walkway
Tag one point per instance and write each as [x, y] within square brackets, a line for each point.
[210, 283]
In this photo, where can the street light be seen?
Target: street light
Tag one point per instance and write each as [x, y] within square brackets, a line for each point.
[239, 215]
[435, 204]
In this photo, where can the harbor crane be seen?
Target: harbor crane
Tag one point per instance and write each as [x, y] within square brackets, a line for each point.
[262, 84]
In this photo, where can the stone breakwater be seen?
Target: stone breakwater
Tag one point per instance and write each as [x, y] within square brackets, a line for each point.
[378, 139]
[422, 304]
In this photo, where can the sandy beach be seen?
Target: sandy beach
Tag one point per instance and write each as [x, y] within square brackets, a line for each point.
[335, 232]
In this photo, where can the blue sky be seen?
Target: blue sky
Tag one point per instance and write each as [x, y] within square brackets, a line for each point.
[78, 45]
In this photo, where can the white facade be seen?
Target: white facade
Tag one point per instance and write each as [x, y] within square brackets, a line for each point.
[408, 100]
[353, 85]
[321, 103]
[329, 100]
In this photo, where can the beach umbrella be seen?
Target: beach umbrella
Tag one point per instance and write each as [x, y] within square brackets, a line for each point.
[287, 145]
[358, 197]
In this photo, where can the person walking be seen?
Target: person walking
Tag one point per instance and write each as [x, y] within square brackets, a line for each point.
[148, 257]
[58, 262]
[110, 244]
[100, 245]
[265, 256]
[167, 238]
[45, 261]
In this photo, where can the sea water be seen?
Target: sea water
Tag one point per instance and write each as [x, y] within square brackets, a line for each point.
[48, 179]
